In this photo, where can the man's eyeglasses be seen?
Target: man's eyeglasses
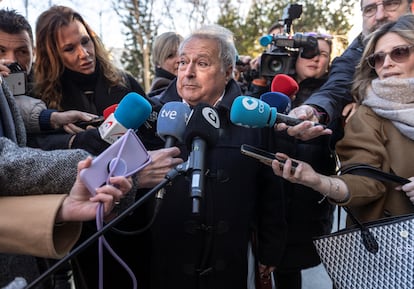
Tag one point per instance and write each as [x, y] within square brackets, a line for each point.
[398, 54]
[389, 6]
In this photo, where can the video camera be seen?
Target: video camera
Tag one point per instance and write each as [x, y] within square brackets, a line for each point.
[283, 50]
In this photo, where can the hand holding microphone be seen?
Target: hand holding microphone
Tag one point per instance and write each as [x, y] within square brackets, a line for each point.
[251, 112]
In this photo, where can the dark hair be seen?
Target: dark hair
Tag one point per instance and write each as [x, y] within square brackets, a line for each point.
[12, 22]
[276, 25]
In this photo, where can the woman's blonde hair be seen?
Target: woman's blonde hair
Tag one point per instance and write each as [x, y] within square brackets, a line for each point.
[165, 46]
[49, 67]
[364, 74]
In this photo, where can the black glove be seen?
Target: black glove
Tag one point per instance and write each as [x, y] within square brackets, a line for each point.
[90, 140]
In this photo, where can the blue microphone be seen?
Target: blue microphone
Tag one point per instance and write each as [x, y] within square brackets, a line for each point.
[266, 40]
[251, 112]
[132, 111]
[172, 121]
[278, 100]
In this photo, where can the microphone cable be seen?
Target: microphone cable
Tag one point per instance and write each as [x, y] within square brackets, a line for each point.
[158, 202]
[99, 224]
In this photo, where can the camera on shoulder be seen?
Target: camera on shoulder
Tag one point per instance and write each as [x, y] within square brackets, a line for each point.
[283, 50]
[17, 79]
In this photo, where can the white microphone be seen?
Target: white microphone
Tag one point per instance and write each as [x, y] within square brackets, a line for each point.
[130, 113]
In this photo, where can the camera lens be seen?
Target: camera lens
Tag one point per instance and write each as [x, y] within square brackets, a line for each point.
[275, 65]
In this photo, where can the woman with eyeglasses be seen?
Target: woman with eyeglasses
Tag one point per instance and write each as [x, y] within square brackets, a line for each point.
[381, 132]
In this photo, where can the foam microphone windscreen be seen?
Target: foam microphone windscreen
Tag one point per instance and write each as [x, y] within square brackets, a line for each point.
[278, 100]
[251, 112]
[172, 120]
[266, 40]
[204, 123]
[285, 84]
[133, 110]
[110, 109]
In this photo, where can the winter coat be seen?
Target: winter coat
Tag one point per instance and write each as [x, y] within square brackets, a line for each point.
[241, 196]
[162, 79]
[24, 171]
[306, 216]
[373, 140]
[74, 98]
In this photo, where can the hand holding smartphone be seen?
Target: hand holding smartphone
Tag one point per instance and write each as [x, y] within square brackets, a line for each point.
[263, 156]
[96, 121]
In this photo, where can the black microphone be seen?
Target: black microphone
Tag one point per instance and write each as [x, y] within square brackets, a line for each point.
[201, 132]
[171, 122]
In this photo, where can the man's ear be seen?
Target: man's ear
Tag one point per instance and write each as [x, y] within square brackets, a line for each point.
[229, 73]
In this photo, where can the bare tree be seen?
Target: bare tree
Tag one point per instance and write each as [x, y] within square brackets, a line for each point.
[138, 18]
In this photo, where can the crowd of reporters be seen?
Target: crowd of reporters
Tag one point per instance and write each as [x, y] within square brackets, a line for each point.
[243, 202]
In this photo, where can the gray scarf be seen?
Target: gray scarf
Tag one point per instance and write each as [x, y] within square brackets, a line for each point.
[393, 99]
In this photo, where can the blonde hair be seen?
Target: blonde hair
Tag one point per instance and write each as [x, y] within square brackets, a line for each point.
[49, 67]
[165, 45]
[364, 74]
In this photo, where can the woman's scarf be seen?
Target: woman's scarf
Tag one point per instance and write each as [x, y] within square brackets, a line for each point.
[393, 99]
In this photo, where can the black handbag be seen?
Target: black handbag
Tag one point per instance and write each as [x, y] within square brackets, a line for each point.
[378, 254]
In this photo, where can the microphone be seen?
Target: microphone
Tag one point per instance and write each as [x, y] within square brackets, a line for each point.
[171, 122]
[131, 113]
[278, 100]
[285, 84]
[253, 113]
[110, 109]
[283, 90]
[201, 132]
[265, 40]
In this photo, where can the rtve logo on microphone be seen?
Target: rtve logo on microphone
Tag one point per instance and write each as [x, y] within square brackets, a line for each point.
[171, 114]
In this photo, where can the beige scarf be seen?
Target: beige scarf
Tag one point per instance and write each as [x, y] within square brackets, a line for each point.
[393, 99]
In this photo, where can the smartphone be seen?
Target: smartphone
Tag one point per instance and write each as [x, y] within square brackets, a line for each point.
[96, 121]
[124, 157]
[17, 82]
[263, 156]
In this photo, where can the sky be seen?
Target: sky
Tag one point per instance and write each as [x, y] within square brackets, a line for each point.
[101, 17]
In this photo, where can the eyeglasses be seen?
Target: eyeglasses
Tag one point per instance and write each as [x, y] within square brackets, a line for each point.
[388, 5]
[398, 54]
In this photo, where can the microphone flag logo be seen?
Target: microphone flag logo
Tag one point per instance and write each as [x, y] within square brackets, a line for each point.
[211, 116]
[250, 103]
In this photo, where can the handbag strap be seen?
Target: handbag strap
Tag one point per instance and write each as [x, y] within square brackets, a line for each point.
[372, 172]
[369, 171]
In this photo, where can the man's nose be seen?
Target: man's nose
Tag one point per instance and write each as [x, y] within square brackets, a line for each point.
[190, 70]
[380, 14]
